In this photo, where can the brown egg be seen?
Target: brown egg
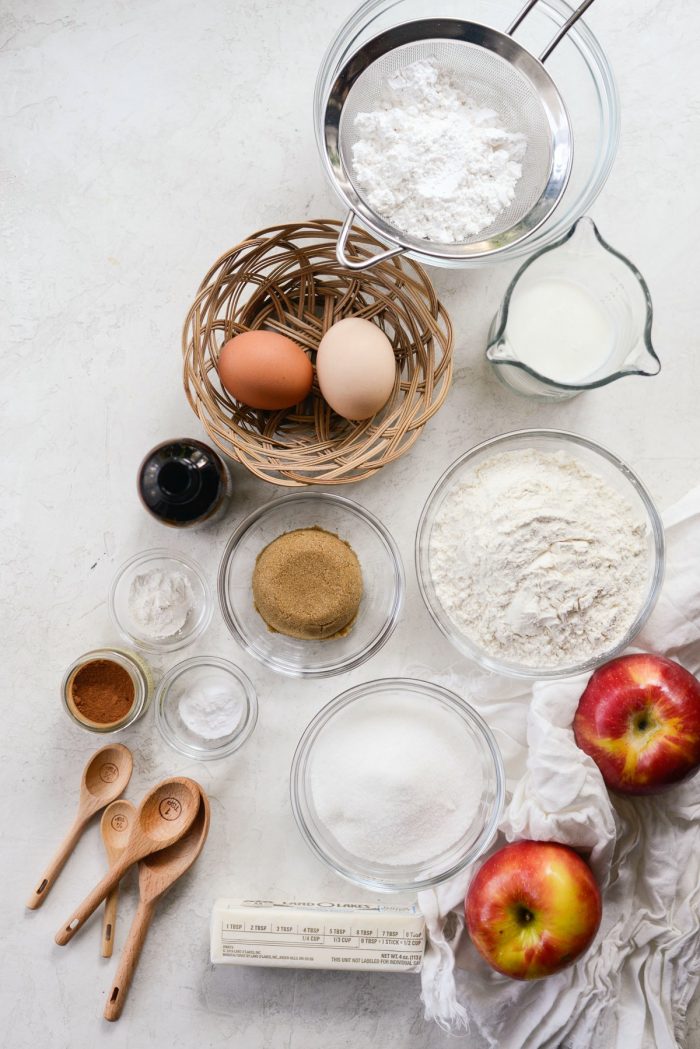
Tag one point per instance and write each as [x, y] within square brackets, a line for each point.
[265, 370]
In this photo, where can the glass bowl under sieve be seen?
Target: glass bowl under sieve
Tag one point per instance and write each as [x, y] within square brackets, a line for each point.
[599, 461]
[430, 701]
[578, 67]
[203, 673]
[382, 579]
[198, 617]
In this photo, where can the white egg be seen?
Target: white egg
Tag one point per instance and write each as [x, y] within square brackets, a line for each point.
[356, 368]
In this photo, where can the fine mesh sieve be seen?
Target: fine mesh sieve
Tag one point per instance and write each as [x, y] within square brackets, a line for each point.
[497, 73]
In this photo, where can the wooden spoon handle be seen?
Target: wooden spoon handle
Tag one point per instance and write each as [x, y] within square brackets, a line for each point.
[90, 904]
[129, 960]
[109, 921]
[46, 881]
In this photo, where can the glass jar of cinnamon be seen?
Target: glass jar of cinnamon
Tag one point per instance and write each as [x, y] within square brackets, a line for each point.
[107, 689]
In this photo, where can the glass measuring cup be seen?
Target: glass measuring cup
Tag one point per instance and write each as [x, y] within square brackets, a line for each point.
[599, 280]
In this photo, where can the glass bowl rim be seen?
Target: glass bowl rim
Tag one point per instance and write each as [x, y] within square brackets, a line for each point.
[162, 645]
[427, 690]
[350, 662]
[469, 648]
[241, 736]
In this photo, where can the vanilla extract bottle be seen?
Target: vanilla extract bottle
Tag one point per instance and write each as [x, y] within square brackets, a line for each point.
[183, 483]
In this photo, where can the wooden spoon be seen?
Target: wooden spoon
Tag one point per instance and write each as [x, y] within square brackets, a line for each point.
[156, 874]
[165, 814]
[104, 778]
[115, 826]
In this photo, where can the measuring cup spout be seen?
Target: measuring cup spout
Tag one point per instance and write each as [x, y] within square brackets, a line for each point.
[499, 351]
[584, 236]
[644, 360]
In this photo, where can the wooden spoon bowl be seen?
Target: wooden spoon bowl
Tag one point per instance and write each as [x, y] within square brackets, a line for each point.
[106, 776]
[163, 811]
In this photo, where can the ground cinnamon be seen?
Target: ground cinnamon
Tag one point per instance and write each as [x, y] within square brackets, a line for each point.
[102, 691]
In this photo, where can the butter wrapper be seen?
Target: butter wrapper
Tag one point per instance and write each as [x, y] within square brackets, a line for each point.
[346, 936]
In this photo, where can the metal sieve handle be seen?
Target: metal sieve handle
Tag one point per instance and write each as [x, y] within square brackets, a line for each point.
[572, 20]
[359, 264]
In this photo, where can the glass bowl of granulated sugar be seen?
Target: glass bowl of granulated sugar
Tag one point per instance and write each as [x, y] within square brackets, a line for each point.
[540, 554]
[397, 784]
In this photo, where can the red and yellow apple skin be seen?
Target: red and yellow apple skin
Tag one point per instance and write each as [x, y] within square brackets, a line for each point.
[639, 719]
[533, 909]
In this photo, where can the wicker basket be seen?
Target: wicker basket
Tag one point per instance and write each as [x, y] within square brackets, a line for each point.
[286, 279]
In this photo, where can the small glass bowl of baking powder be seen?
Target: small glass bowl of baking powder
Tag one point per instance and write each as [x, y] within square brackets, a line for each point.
[206, 707]
[160, 601]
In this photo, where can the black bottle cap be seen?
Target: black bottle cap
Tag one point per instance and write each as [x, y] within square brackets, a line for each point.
[182, 482]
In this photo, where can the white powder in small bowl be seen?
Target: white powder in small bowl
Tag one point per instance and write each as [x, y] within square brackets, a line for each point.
[210, 711]
[160, 602]
[396, 781]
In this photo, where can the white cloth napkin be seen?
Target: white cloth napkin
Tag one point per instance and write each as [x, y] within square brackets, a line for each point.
[633, 987]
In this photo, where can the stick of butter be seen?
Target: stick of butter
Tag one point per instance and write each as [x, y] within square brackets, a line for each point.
[317, 935]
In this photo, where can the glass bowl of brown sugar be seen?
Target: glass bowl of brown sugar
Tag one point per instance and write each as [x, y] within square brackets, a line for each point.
[322, 521]
[107, 689]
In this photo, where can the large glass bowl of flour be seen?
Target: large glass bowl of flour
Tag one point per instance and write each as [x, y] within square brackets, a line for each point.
[540, 554]
[397, 784]
[579, 68]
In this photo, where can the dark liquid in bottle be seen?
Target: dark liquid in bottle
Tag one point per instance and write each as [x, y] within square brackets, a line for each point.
[183, 482]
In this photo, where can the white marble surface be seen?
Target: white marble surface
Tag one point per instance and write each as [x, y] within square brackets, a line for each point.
[140, 139]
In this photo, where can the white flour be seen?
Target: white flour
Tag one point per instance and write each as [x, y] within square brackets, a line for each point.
[396, 783]
[537, 560]
[160, 602]
[433, 163]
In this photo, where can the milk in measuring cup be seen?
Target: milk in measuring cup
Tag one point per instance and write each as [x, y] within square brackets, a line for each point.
[557, 328]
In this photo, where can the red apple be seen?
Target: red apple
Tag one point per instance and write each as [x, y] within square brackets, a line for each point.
[639, 719]
[533, 908]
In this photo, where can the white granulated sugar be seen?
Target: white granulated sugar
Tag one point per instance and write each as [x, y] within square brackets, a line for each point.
[160, 602]
[396, 782]
[431, 161]
[537, 560]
